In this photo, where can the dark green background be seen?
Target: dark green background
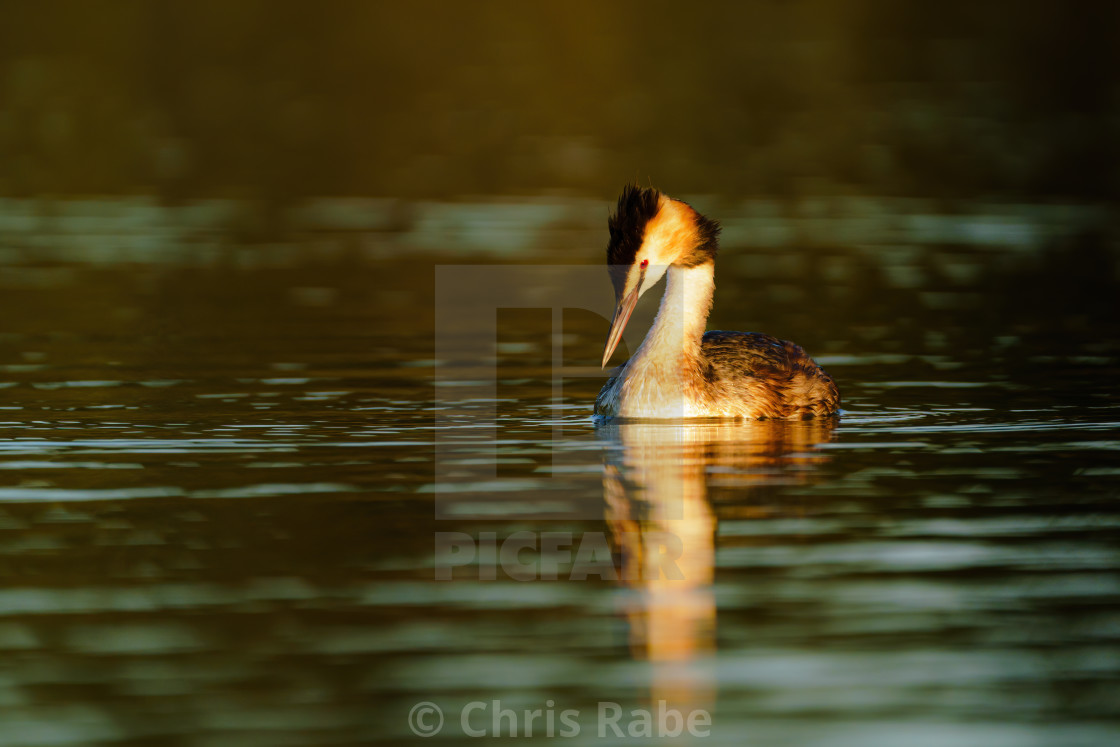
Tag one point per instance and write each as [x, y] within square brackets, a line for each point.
[1015, 100]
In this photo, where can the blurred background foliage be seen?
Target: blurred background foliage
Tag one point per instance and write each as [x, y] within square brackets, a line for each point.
[282, 100]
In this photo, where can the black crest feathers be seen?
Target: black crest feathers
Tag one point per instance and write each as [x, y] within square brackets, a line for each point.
[707, 232]
[636, 207]
[627, 225]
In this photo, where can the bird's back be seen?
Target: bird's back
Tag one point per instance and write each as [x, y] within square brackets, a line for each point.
[737, 375]
[753, 375]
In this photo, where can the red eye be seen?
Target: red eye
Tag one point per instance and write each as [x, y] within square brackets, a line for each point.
[645, 263]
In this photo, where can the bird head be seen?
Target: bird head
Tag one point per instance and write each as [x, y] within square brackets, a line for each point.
[649, 232]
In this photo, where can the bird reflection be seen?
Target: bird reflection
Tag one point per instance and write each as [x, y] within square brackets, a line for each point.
[661, 518]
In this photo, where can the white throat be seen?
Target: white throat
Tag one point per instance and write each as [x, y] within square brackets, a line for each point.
[661, 379]
[675, 337]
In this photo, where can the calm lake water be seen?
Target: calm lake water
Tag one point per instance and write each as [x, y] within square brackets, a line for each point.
[222, 461]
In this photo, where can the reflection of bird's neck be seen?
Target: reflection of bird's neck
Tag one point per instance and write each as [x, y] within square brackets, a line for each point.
[677, 331]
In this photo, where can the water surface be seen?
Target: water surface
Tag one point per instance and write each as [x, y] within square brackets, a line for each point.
[218, 482]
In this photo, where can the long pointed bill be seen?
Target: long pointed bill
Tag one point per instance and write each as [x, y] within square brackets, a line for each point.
[621, 316]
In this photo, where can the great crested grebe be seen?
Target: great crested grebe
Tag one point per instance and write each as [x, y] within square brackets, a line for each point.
[679, 371]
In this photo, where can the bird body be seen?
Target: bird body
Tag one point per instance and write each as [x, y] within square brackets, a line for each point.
[679, 371]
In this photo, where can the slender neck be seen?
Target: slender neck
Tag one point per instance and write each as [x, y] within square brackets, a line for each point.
[678, 330]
